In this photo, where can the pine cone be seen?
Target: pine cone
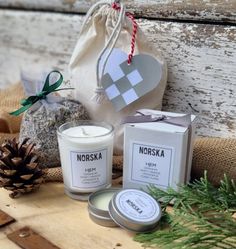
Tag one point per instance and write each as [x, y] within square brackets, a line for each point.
[19, 168]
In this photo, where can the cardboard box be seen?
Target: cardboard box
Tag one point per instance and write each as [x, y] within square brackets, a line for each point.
[158, 153]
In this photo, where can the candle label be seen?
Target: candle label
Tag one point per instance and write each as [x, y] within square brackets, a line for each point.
[151, 164]
[89, 168]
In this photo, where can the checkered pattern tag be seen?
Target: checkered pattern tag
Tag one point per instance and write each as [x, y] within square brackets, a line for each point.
[125, 83]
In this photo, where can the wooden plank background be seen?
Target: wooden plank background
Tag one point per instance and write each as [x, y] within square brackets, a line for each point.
[208, 10]
[201, 56]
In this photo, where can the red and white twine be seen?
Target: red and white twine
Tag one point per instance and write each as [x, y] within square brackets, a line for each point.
[134, 33]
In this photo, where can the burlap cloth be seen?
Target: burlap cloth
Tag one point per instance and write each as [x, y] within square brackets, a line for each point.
[216, 155]
[9, 101]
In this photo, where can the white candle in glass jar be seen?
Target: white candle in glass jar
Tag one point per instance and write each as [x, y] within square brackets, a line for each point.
[86, 150]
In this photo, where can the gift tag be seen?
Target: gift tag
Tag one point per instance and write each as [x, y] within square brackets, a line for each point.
[124, 83]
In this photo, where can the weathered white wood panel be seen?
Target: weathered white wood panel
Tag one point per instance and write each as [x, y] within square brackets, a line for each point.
[35, 39]
[208, 10]
[201, 60]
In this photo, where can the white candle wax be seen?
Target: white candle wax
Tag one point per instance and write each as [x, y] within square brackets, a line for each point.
[86, 131]
[86, 157]
[102, 201]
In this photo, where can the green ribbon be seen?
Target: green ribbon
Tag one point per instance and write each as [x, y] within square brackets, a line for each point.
[47, 89]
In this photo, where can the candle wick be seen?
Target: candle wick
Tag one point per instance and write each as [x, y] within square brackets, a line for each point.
[84, 132]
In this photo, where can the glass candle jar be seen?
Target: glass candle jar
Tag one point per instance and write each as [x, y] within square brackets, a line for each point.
[86, 150]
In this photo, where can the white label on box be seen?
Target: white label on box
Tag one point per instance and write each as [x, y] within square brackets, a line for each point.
[88, 168]
[151, 164]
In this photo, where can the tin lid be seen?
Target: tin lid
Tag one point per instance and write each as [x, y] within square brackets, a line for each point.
[135, 210]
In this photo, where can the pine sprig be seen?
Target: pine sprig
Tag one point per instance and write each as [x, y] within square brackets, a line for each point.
[200, 194]
[201, 217]
[191, 231]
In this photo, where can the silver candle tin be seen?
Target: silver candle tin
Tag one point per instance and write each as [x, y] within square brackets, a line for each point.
[131, 209]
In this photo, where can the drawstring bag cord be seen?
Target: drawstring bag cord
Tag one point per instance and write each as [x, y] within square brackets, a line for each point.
[100, 95]
[116, 6]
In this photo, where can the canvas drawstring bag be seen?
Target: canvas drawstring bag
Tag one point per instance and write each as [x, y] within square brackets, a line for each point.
[109, 33]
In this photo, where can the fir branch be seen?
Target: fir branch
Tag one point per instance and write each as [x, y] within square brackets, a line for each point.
[190, 231]
[200, 194]
[201, 217]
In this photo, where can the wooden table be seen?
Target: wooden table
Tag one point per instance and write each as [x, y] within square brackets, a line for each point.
[63, 221]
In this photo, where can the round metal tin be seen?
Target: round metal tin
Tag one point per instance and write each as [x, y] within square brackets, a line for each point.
[98, 204]
[135, 210]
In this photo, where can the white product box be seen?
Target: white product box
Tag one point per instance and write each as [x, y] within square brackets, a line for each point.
[158, 153]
